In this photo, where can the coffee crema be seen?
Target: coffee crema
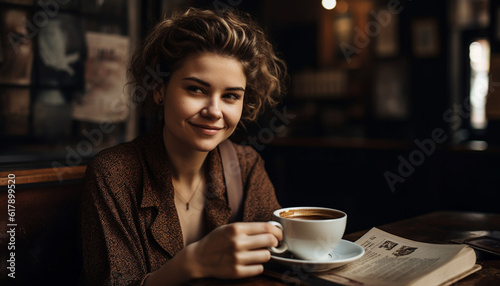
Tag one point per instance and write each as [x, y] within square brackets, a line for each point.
[311, 214]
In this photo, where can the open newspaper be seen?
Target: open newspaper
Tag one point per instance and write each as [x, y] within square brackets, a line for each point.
[392, 260]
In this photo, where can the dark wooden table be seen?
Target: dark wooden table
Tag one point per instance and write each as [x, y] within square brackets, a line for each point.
[436, 227]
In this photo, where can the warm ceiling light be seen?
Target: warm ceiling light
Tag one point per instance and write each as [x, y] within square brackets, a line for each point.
[329, 4]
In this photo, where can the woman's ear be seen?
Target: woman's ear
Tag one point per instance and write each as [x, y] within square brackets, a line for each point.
[158, 95]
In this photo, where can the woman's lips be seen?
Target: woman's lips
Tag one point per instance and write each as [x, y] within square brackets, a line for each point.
[206, 129]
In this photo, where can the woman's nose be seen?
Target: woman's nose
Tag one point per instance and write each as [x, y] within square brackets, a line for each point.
[212, 109]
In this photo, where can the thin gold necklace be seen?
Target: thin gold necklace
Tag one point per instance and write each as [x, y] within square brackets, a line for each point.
[192, 196]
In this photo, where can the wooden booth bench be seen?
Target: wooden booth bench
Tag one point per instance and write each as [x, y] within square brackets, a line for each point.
[39, 234]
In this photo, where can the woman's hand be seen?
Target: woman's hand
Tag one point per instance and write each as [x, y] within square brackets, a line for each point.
[233, 251]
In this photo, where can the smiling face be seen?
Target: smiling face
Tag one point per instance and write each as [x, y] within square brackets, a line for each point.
[203, 102]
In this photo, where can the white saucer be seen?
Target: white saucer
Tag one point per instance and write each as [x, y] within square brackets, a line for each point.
[343, 253]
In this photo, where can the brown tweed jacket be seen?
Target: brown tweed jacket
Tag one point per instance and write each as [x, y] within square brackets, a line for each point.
[129, 223]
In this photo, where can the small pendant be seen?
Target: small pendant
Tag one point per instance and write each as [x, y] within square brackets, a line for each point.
[187, 206]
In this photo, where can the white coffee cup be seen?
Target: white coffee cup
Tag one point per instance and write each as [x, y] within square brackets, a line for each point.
[310, 233]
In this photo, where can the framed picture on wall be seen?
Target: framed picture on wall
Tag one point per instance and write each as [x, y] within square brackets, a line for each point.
[105, 77]
[391, 90]
[16, 47]
[387, 41]
[61, 50]
[425, 36]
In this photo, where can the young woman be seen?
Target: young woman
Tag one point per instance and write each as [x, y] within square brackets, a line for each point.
[155, 211]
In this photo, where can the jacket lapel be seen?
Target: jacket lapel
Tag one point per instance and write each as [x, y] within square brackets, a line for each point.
[158, 192]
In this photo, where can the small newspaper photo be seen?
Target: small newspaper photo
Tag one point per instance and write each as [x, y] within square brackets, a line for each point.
[393, 260]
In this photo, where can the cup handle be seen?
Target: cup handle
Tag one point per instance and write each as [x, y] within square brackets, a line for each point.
[282, 248]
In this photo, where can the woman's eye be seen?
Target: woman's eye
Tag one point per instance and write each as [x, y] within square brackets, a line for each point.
[195, 89]
[232, 96]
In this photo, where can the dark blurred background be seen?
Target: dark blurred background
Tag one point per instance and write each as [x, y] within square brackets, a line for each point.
[392, 109]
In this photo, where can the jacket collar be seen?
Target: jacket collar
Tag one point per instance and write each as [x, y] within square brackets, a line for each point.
[158, 192]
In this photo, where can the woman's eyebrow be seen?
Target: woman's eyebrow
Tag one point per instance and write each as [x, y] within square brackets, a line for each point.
[235, 89]
[204, 83]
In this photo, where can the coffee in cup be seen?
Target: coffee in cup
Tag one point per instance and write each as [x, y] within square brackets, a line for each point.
[310, 233]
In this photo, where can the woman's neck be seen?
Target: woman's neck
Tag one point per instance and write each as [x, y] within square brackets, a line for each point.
[187, 164]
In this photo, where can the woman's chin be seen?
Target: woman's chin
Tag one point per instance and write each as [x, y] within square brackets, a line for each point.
[206, 146]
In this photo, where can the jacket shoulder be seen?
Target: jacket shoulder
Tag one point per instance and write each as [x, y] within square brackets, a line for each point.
[119, 160]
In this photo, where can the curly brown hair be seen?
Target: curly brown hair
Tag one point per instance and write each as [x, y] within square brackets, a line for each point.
[230, 33]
